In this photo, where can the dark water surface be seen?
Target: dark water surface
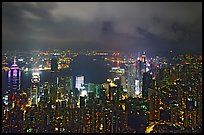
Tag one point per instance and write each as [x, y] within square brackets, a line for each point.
[95, 71]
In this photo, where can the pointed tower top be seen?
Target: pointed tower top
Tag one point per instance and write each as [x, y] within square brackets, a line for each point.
[14, 60]
[14, 63]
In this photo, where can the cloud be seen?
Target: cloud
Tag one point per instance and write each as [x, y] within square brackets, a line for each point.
[122, 25]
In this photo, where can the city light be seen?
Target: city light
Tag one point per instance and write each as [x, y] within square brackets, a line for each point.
[83, 93]
[107, 68]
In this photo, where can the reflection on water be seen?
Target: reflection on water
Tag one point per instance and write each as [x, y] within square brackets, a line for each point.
[96, 71]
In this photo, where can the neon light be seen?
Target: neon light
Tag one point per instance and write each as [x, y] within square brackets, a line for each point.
[14, 72]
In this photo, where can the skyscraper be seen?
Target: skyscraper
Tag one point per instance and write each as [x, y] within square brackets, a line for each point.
[147, 83]
[14, 76]
[138, 82]
[54, 78]
[66, 86]
[54, 64]
[34, 88]
[46, 91]
[79, 82]
[131, 79]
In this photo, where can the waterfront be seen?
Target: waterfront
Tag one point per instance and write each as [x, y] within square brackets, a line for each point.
[95, 71]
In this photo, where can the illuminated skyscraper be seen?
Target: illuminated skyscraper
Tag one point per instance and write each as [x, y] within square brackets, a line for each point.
[91, 88]
[14, 76]
[66, 84]
[54, 78]
[131, 80]
[79, 82]
[54, 69]
[46, 91]
[34, 88]
[33, 94]
[143, 59]
[138, 82]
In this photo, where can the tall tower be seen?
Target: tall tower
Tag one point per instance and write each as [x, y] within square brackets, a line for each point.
[147, 82]
[14, 76]
[143, 63]
[66, 85]
[138, 81]
[54, 64]
[54, 78]
[54, 70]
[79, 82]
[34, 88]
[131, 80]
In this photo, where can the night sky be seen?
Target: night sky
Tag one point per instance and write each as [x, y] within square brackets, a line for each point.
[121, 26]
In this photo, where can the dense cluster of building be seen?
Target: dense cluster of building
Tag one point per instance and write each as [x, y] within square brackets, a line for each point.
[146, 95]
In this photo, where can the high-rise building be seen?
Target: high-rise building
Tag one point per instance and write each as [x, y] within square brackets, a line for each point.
[14, 76]
[46, 91]
[123, 83]
[54, 80]
[91, 88]
[131, 80]
[79, 82]
[54, 70]
[54, 64]
[143, 58]
[34, 88]
[147, 83]
[154, 107]
[34, 95]
[138, 82]
[66, 85]
[98, 90]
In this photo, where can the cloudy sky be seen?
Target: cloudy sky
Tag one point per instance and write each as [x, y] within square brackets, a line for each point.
[127, 26]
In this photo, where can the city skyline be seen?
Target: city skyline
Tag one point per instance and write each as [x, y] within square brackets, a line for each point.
[128, 26]
[101, 67]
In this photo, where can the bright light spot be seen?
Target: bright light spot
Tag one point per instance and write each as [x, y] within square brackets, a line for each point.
[20, 59]
[137, 87]
[101, 127]
[56, 129]
[83, 93]
[112, 84]
[109, 80]
[123, 107]
[35, 74]
[29, 130]
[26, 69]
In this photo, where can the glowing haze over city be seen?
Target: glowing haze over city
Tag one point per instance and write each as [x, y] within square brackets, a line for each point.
[101, 67]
